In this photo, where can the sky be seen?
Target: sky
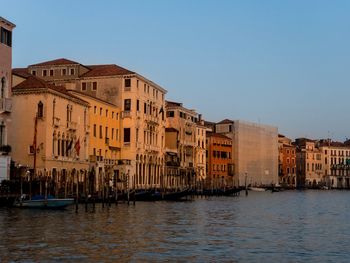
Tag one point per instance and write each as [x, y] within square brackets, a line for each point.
[282, 63]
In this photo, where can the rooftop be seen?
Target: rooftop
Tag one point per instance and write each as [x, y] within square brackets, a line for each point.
[106, 70]
[60, 61]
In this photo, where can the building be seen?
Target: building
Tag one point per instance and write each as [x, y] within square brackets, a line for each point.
[142, 119]
[200, 149]
[255, 154]
[335, 163]
[219, 162]
[6, 28]
[49, 135]
[286, 162]
[309, 168]
[184, 121]
[104, 139]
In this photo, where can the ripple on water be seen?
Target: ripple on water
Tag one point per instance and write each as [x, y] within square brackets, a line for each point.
[281, 227]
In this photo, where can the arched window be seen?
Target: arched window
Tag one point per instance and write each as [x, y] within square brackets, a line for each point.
[40, 110]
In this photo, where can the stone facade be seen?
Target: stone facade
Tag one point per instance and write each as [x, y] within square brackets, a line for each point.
[49, 135]
[287, 162]
[6, 28]
[219, 162]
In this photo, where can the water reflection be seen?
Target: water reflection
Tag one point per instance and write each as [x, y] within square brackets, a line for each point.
[279, 227]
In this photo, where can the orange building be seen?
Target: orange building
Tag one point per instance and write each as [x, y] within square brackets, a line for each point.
[287, 161]
[219, 161]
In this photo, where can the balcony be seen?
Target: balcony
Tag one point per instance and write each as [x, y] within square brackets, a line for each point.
[126, 114]
[56, 122]
[71, 125]
[5, 105]
[107, 141]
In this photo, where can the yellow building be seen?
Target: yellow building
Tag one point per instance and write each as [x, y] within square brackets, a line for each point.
[142, 105]
[49, 132]
[104, 144]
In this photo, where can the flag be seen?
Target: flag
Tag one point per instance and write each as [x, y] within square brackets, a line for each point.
[69, 147]
[77, 146]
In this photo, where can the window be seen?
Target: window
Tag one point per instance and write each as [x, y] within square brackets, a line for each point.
[127, 104]
[72, 71]
[100, 132]
[44, 73]
[112, 114]
[126, 134]
[95, 109]
[127, 83]
[34, 72]
[137, 83]
[106, 113]
[51, 72]
[83, 86]
[116, 134]
[64, 72]
[94, 130]
[112, 133]
[145, 108]
[6, 37]
[40, 112]
[106, 133]
[94, 85]
[170, 114]
[138, 105]
[100, 111]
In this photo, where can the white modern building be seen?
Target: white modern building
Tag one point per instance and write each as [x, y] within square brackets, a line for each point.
[255, 151]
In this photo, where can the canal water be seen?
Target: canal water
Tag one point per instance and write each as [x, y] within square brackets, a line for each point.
[289, 226]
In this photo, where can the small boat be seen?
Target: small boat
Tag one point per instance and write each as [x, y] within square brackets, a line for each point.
[45, 203]
[257, 189]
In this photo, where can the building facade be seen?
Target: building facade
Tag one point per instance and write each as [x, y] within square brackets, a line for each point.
[6, 28]
[255, 154]
[335, 163]
[219, 162]
[286, 162]
[142, 119]
[184, 121]
[104, 150]
[308, 163]
[49, 136]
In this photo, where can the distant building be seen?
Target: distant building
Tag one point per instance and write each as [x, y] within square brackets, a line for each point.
[335, 163]
[308, 163]
[255, 154]
[219, 162]
[6, 28]
[287, 162]
[184, 121]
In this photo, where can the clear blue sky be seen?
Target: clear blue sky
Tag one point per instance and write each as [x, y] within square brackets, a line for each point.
[284, 63]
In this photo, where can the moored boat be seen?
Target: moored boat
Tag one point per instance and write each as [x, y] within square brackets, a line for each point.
[45, 203]
[257, 189]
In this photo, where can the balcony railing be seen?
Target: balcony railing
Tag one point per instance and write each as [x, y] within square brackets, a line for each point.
[126, 114]
[71, 125]
[5, 105]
